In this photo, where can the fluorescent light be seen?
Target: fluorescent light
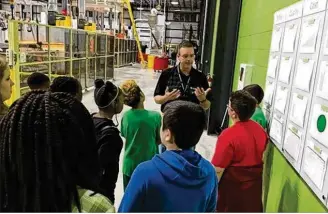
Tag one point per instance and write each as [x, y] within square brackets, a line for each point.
[174, 2]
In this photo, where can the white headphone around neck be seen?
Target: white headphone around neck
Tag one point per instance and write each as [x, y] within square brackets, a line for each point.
[113, 100]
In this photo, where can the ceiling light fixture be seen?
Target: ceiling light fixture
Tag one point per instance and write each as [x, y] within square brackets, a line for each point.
[174, 2]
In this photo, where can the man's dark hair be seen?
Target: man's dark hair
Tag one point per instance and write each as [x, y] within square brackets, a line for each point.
[48, 148]
[243, 103]
[67, 85]
[256, 91]
[38, 81]
[186, 121]
[185, 44]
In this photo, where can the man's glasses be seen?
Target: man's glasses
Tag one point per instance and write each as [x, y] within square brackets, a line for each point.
[186, 56]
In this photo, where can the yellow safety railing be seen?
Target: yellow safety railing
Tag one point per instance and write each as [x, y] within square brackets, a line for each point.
[58, 51]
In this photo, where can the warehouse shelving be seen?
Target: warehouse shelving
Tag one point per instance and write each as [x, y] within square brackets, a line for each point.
[58, 51]
[125, 52]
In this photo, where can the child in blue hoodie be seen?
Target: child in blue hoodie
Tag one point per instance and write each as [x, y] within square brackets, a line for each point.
[178, 180]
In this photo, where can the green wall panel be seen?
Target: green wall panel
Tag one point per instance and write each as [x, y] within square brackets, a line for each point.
[284, 190]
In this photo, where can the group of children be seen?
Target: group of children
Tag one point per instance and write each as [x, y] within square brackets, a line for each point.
[179, 180]
[75, 164]
[138, 126]
[149, 180]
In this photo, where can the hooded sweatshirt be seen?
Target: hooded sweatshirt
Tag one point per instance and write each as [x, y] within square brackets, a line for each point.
[174, 181]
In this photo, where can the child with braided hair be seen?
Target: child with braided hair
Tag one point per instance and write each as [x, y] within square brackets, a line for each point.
[140, 128]
[48, 156]
[5, 85]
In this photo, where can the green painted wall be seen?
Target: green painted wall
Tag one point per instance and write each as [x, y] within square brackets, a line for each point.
[284, 190]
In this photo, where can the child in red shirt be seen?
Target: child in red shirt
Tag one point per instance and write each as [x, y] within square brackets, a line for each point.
[238, 158]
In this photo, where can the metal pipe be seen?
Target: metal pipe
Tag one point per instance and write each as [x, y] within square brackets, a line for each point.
[102, 21]
[110, 19]
[115, 20]
[81, 6]
[204, 30]
[164, 30]
[52, 5]
[119, 24]
[64, 7]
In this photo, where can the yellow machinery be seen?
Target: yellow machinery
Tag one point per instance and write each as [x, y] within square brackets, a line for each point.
[135, 32]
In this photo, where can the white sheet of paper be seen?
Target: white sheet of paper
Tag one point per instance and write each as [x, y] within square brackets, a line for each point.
[304, 74]
[290, 38]
[298, 109]
[292, 143]
[280, 16]
[285, 69]
[313, 6]
[268, 95]
[322, 86]
[276, 130]
[318, 129]
[272, 68]
[276, 38]
[309, 35]
[325, 47]
[281, 99]
[314, 165]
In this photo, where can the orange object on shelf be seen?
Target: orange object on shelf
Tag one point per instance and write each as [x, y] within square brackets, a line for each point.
[161, 63]
[120, 35]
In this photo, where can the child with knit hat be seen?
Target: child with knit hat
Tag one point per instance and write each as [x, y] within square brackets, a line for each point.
[140, 128]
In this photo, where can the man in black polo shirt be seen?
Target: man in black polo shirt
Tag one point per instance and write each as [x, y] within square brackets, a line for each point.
[183, 82]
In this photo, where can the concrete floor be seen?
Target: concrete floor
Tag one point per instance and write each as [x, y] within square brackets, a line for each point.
[147, 80]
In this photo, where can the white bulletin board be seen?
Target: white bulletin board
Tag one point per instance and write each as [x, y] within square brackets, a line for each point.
[296, 92]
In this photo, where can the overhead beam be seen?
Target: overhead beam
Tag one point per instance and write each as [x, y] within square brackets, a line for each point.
[184, 3]
[201, 20]
[179, 29]
[179, 4]
[165, 31]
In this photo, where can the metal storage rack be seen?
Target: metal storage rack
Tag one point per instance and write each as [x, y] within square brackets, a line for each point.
[58, 51]
[126, 52]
